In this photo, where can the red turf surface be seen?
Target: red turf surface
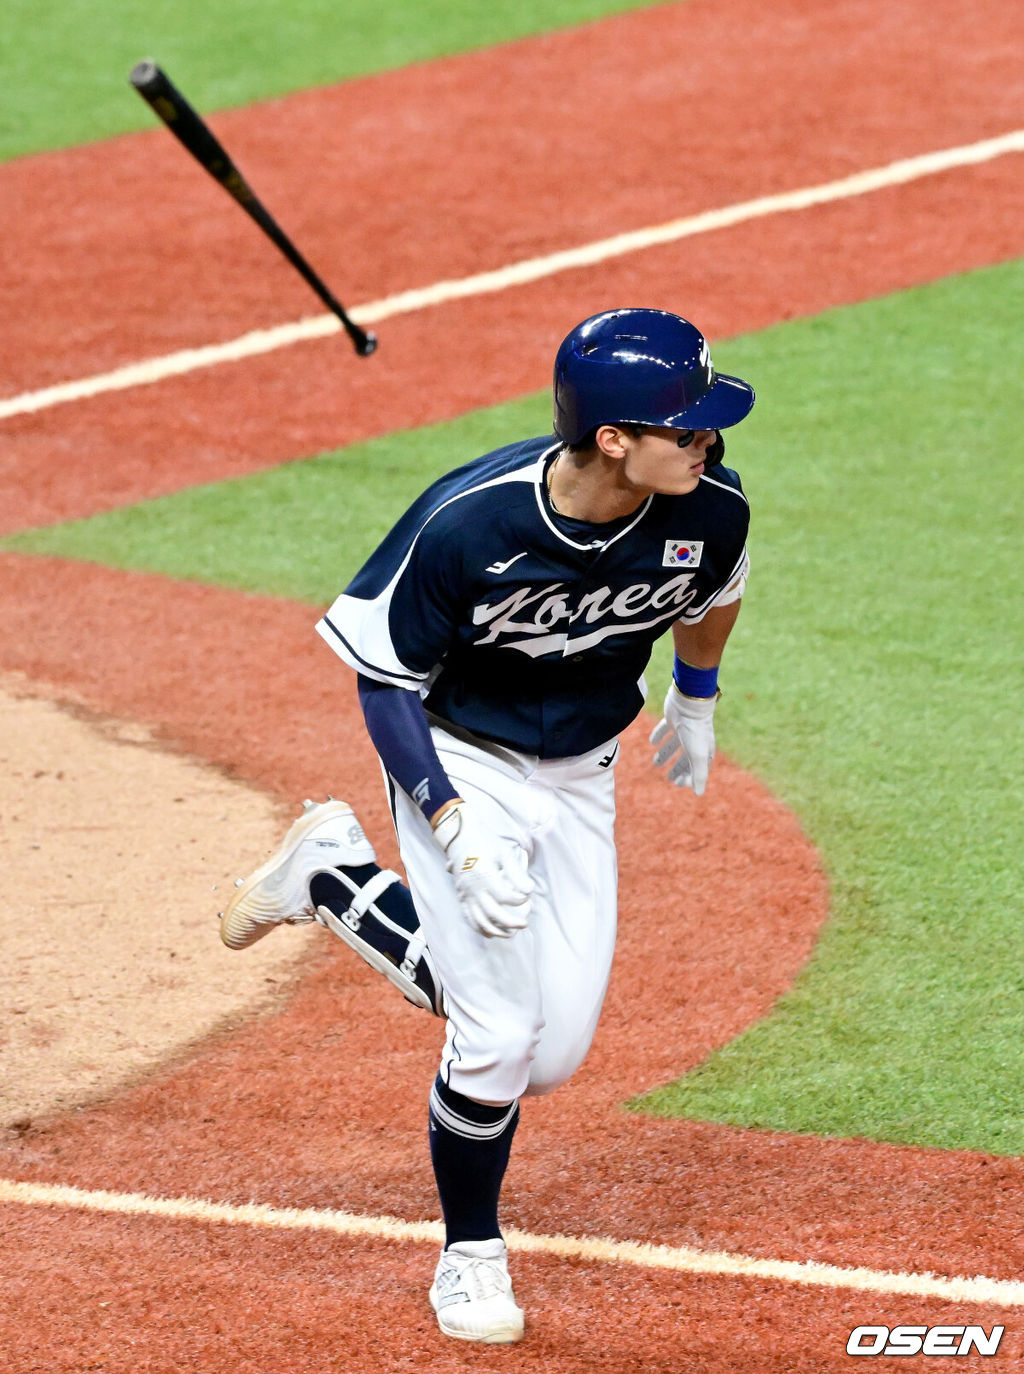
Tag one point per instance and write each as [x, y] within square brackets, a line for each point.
[460, 166]
[322, 1105]
[126, 250]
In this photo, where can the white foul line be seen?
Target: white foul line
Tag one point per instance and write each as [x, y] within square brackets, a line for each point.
[680, 1259]
[260, 341]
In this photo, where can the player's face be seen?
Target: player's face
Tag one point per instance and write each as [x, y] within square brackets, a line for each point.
[655, 462]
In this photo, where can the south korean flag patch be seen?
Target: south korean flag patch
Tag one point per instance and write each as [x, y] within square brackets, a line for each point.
[682, 553]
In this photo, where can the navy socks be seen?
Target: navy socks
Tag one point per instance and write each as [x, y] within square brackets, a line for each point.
[469, 1142]
[469, 1148]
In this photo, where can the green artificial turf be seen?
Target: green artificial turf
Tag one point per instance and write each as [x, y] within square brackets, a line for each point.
[878, 680]
[875, 681]
[297, 531]
[65, 66]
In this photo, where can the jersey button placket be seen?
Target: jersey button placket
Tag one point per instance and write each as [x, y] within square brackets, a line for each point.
[586, 583]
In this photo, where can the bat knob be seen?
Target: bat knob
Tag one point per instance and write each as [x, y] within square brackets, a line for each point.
[144, 74]
[367, 344]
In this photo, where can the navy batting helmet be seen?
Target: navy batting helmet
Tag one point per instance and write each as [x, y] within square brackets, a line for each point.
[645, 367]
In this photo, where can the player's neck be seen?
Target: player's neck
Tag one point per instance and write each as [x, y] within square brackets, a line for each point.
[587, 487]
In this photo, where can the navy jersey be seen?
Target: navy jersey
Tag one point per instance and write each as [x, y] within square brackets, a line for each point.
[522, 626]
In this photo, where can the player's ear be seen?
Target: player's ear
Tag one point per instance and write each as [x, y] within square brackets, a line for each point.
[611, 440]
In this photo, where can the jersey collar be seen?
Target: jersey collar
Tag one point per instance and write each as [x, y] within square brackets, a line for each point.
[549, 515]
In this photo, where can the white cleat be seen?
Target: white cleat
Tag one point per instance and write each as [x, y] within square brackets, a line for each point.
[326, 835]
[472, 1293]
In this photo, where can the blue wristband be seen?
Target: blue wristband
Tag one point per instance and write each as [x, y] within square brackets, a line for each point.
[694, 682]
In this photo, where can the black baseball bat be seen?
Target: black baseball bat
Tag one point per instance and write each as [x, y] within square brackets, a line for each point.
[189, 129]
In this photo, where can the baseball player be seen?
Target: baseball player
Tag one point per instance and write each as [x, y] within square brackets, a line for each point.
[500, 634]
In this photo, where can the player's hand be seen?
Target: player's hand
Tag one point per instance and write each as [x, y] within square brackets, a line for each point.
[495, 898]
[686, 735]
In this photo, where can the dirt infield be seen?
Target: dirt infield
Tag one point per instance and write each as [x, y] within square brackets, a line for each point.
[113, 851]
[321, 1104]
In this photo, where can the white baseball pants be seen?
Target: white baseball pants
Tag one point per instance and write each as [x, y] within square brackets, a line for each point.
[521, 1011]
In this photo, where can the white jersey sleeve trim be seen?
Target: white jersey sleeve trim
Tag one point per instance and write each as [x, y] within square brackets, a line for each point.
[361, 620]
[358, 630]
[733, 589]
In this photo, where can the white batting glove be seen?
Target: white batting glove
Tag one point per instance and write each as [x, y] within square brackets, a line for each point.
[687, 730]
[494, 897]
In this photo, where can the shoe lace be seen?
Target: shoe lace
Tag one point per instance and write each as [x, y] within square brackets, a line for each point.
[483, 1278]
